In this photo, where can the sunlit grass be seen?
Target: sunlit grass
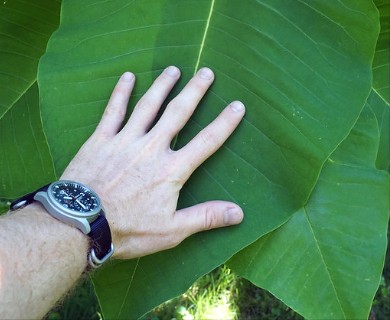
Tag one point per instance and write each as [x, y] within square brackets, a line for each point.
[222, 295]
[211, 297]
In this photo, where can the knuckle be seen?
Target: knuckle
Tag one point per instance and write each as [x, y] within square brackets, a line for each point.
[210, 218]
[102, 134]
[148, 102]
[144, 104]
[173, 241]
[179, 108]
[169, 238]
[115, 109]
[207, 137]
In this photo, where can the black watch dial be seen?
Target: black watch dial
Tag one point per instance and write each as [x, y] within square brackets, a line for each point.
[75, 197]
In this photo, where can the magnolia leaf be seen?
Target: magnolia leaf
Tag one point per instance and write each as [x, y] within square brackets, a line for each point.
[25, 161]
[25, 27]
[326, 261]
[302, 68]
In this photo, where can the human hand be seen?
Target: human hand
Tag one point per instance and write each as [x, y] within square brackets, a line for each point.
[137, 175]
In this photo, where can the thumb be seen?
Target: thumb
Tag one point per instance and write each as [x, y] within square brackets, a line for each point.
[207, 215]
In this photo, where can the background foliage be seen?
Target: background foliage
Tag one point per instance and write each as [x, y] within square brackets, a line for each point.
[307, 164]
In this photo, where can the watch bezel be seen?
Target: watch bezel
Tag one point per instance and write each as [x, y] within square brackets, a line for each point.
[71, 212]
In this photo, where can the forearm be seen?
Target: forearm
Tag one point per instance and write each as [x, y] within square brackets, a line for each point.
[41, 259]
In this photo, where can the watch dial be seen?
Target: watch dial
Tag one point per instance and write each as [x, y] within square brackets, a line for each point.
[75, 197]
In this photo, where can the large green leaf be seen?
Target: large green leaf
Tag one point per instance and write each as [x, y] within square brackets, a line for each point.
[25, 27]
[326, 261]
[303, 68]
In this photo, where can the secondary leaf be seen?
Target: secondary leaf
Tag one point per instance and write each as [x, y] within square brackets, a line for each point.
[381, 64]
[382, 113]
[303, 69]
[25, 162]
[25, 27]
[381, 84]
[333, 248]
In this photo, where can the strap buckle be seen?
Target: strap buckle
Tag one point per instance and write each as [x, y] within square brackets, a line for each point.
[95, 262]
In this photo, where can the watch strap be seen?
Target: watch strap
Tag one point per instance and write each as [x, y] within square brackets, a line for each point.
[26, 199]
[102, 247]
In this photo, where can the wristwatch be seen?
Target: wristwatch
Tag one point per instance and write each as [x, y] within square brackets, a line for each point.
[77, 205]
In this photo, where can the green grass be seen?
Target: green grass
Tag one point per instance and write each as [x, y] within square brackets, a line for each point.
[211, 297]
[223, 295]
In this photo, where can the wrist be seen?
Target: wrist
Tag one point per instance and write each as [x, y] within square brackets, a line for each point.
[61, 235]
[78, 206]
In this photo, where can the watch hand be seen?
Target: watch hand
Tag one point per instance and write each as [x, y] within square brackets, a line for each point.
[83, 206]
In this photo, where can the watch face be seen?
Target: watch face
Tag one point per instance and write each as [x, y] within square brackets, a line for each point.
[74, 197]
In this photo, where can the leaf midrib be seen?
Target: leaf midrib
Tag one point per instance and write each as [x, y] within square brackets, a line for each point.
[204, 35]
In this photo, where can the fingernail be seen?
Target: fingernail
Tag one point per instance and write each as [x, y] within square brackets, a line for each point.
[172, 71]
[232, 216]
[127, 76]
[237, 106]
[205, 73]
